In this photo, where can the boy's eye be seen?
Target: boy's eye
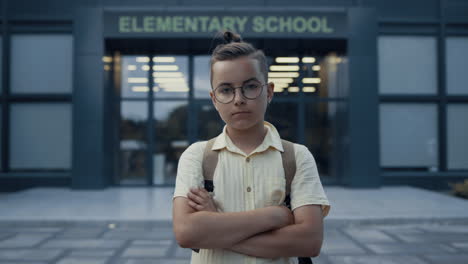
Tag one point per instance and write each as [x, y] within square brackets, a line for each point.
[225, 90]
[251, 86]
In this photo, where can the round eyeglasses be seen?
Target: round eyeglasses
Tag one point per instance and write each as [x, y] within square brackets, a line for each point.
[226, 93]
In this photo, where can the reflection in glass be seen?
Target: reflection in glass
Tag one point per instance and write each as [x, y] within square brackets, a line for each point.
[324, 133]
[284, 72]
[209, 122]
[284, 117]
[40, 137]
[134, 72]
[457, 63]
[318, 76]
[201, 78]
[333, 75]
[41, 63]
[408, 136]
[457, 131]
[171, 76]
[133, 144]
[170, 138]
[410, 70]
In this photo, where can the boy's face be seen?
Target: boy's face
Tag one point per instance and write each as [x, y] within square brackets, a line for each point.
[240, 113]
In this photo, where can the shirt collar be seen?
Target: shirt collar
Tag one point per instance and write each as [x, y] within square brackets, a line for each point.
[272, 139]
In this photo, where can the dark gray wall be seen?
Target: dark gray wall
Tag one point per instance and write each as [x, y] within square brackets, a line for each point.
[407, 10]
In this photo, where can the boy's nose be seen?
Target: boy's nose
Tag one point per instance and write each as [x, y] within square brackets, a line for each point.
[238, 97]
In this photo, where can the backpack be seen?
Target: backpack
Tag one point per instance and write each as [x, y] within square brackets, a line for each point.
[210, 160]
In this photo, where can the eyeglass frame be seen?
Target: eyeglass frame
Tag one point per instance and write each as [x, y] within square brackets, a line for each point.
[242, 93]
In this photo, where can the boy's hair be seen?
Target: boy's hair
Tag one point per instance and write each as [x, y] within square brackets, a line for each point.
[232, 48]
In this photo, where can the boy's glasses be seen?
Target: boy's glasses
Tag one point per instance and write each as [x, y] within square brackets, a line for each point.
[226, 93]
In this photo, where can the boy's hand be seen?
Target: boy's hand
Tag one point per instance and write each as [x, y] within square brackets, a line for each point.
[201, 200]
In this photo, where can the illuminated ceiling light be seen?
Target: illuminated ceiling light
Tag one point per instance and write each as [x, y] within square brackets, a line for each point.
[168, 74]
[316, 68]
[131, 67]
[308, 60]
[310, 80]
[137, 80]
[287, 60]
[163, 59]
[140, 89]
[293, 89]
[284, 68]
[170, 80]
[281, 85]
[278, 90]
[173, 85]
[107, 59]
[283, 74]
[309, 89]
[177, 90]
[142, 59]
[107, 67]
[281, 80]
[144, 89]
[145, 67]
[165, 68]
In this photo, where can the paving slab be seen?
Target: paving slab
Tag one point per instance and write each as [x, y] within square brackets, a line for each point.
[390, 204]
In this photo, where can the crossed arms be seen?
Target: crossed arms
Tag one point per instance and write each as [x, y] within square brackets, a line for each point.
[269, 232]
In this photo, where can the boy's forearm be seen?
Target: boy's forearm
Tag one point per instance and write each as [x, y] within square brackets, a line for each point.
[290, 241]
[223, 230]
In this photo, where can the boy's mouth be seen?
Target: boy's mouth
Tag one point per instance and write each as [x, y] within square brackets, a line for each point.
[241, 112]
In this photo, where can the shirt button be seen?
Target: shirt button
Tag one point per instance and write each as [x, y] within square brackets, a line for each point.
[249, 189]
[247, 159]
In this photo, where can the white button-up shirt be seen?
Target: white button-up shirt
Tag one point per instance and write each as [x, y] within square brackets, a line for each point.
[246, 182]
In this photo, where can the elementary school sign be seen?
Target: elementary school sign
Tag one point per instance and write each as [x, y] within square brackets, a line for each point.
[265, 24]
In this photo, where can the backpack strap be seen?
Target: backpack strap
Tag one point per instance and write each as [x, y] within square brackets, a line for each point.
[210, 160]
[289, 163]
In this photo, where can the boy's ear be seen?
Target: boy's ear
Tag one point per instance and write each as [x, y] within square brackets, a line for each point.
[213, 100]
[270, 91]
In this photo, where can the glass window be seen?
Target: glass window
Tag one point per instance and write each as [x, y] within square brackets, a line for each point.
[284, 117]
[201, 78]
[134, 76]
[407, 65]
[1, 64]
[457, 131]
[324, 135]
[40, 137]
[41, 63]
[171, 76]
[170, 138]
[1, 132]
[209, 122]
[133, 142]
[457, 65]
[408, 136]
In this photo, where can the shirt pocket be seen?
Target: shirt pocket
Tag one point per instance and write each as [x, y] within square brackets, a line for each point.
[276, 191]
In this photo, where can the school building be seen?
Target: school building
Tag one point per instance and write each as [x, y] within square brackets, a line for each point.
[100, 93]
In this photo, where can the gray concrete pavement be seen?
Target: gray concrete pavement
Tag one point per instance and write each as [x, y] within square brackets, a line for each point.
[153, 242]
[133, 226]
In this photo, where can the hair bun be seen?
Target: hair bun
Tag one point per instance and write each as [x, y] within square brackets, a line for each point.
[229, 37]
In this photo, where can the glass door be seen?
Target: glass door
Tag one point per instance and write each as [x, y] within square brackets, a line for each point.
[153, 122]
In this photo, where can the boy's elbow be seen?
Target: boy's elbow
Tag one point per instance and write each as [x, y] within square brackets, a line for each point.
[183, 236]
[315, 252]
[314, 249]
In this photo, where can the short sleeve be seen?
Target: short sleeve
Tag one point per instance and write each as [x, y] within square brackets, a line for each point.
[189, 169]
[306, 187]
